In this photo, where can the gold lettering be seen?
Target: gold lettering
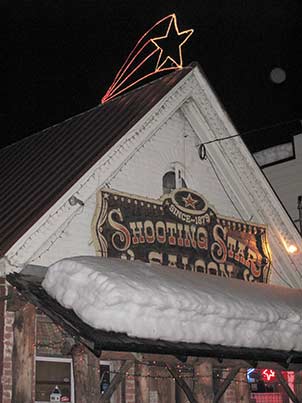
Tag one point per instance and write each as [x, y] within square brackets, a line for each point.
[200, 266]
[180, 241]
[172, 260]
[218, 248]
[171, 230]
[251, 262]
[129, 255]
[185, 262]
[231, 242]
[190, 236]
[136, 228]
[202, 238]
[160, 230]
[155, 257]
[122, 233]
[149, 231]
[213, 268]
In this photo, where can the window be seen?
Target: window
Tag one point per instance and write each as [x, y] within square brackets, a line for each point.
[106, 370]
[52, 372]
[169, 182]
[174, 178]
[104, 376]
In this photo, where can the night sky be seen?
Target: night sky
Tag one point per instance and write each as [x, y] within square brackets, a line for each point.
[63, 55]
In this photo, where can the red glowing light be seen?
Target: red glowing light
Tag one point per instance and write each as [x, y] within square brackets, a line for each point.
[122, 81]
[268, 374]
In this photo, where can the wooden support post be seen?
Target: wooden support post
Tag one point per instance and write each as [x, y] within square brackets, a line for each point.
[23, 358]
[182, 384]
[203, 383]
[242, 388]
[298, 384]
[287, 389]
[115, 382]
[141, 383]
[86, 369]
[162, 386]
[225, 384]
[180, 396]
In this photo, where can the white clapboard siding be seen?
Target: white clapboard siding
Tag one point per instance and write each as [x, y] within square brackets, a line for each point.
[286, 179]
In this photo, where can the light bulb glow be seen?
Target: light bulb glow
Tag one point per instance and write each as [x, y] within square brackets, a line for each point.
[292, 249]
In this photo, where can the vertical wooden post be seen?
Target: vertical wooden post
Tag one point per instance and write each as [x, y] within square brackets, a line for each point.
[117, 394]
[86, 370]
[298, 384]
[141, 383]
[242, 387]
[203, 382]
[162, 386]
[224, 385]
[184, 391]
[23, 358]
[123, 390]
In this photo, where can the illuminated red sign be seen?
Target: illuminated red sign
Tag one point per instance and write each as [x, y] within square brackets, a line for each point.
[268, 375]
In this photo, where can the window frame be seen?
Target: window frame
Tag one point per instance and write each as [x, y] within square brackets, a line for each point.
[111, 376]
[179, 172]
[57, 359]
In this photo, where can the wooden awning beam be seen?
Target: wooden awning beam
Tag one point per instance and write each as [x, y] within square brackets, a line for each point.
[181, 383]
[225, 384]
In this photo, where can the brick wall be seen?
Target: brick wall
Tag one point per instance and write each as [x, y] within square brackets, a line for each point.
[2, 310]
[130, 386]
[7, 357]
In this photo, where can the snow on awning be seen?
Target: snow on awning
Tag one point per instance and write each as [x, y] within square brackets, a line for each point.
[156, 302]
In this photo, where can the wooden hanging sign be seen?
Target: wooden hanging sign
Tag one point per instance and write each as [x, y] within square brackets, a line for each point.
[179, 230]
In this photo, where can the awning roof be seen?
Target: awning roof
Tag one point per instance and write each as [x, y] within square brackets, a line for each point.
[29, 282]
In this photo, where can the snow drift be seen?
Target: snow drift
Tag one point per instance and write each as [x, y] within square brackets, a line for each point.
[157, 302]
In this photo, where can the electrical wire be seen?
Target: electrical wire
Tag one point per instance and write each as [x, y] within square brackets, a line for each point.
[251, 131]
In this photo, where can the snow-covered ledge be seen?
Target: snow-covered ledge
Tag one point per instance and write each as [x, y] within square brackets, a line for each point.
[156, 302]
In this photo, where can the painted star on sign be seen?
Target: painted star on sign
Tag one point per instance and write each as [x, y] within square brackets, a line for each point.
[170, 44]
[189, 201]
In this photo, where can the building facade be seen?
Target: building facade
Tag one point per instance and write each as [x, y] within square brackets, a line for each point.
[169, 135]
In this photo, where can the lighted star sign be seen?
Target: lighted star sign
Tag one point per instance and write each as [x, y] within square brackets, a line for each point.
[162, 52]
[165, 44]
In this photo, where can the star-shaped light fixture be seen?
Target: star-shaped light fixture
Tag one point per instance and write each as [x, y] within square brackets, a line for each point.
[165, 50]
[189, 201]
[170, 44]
